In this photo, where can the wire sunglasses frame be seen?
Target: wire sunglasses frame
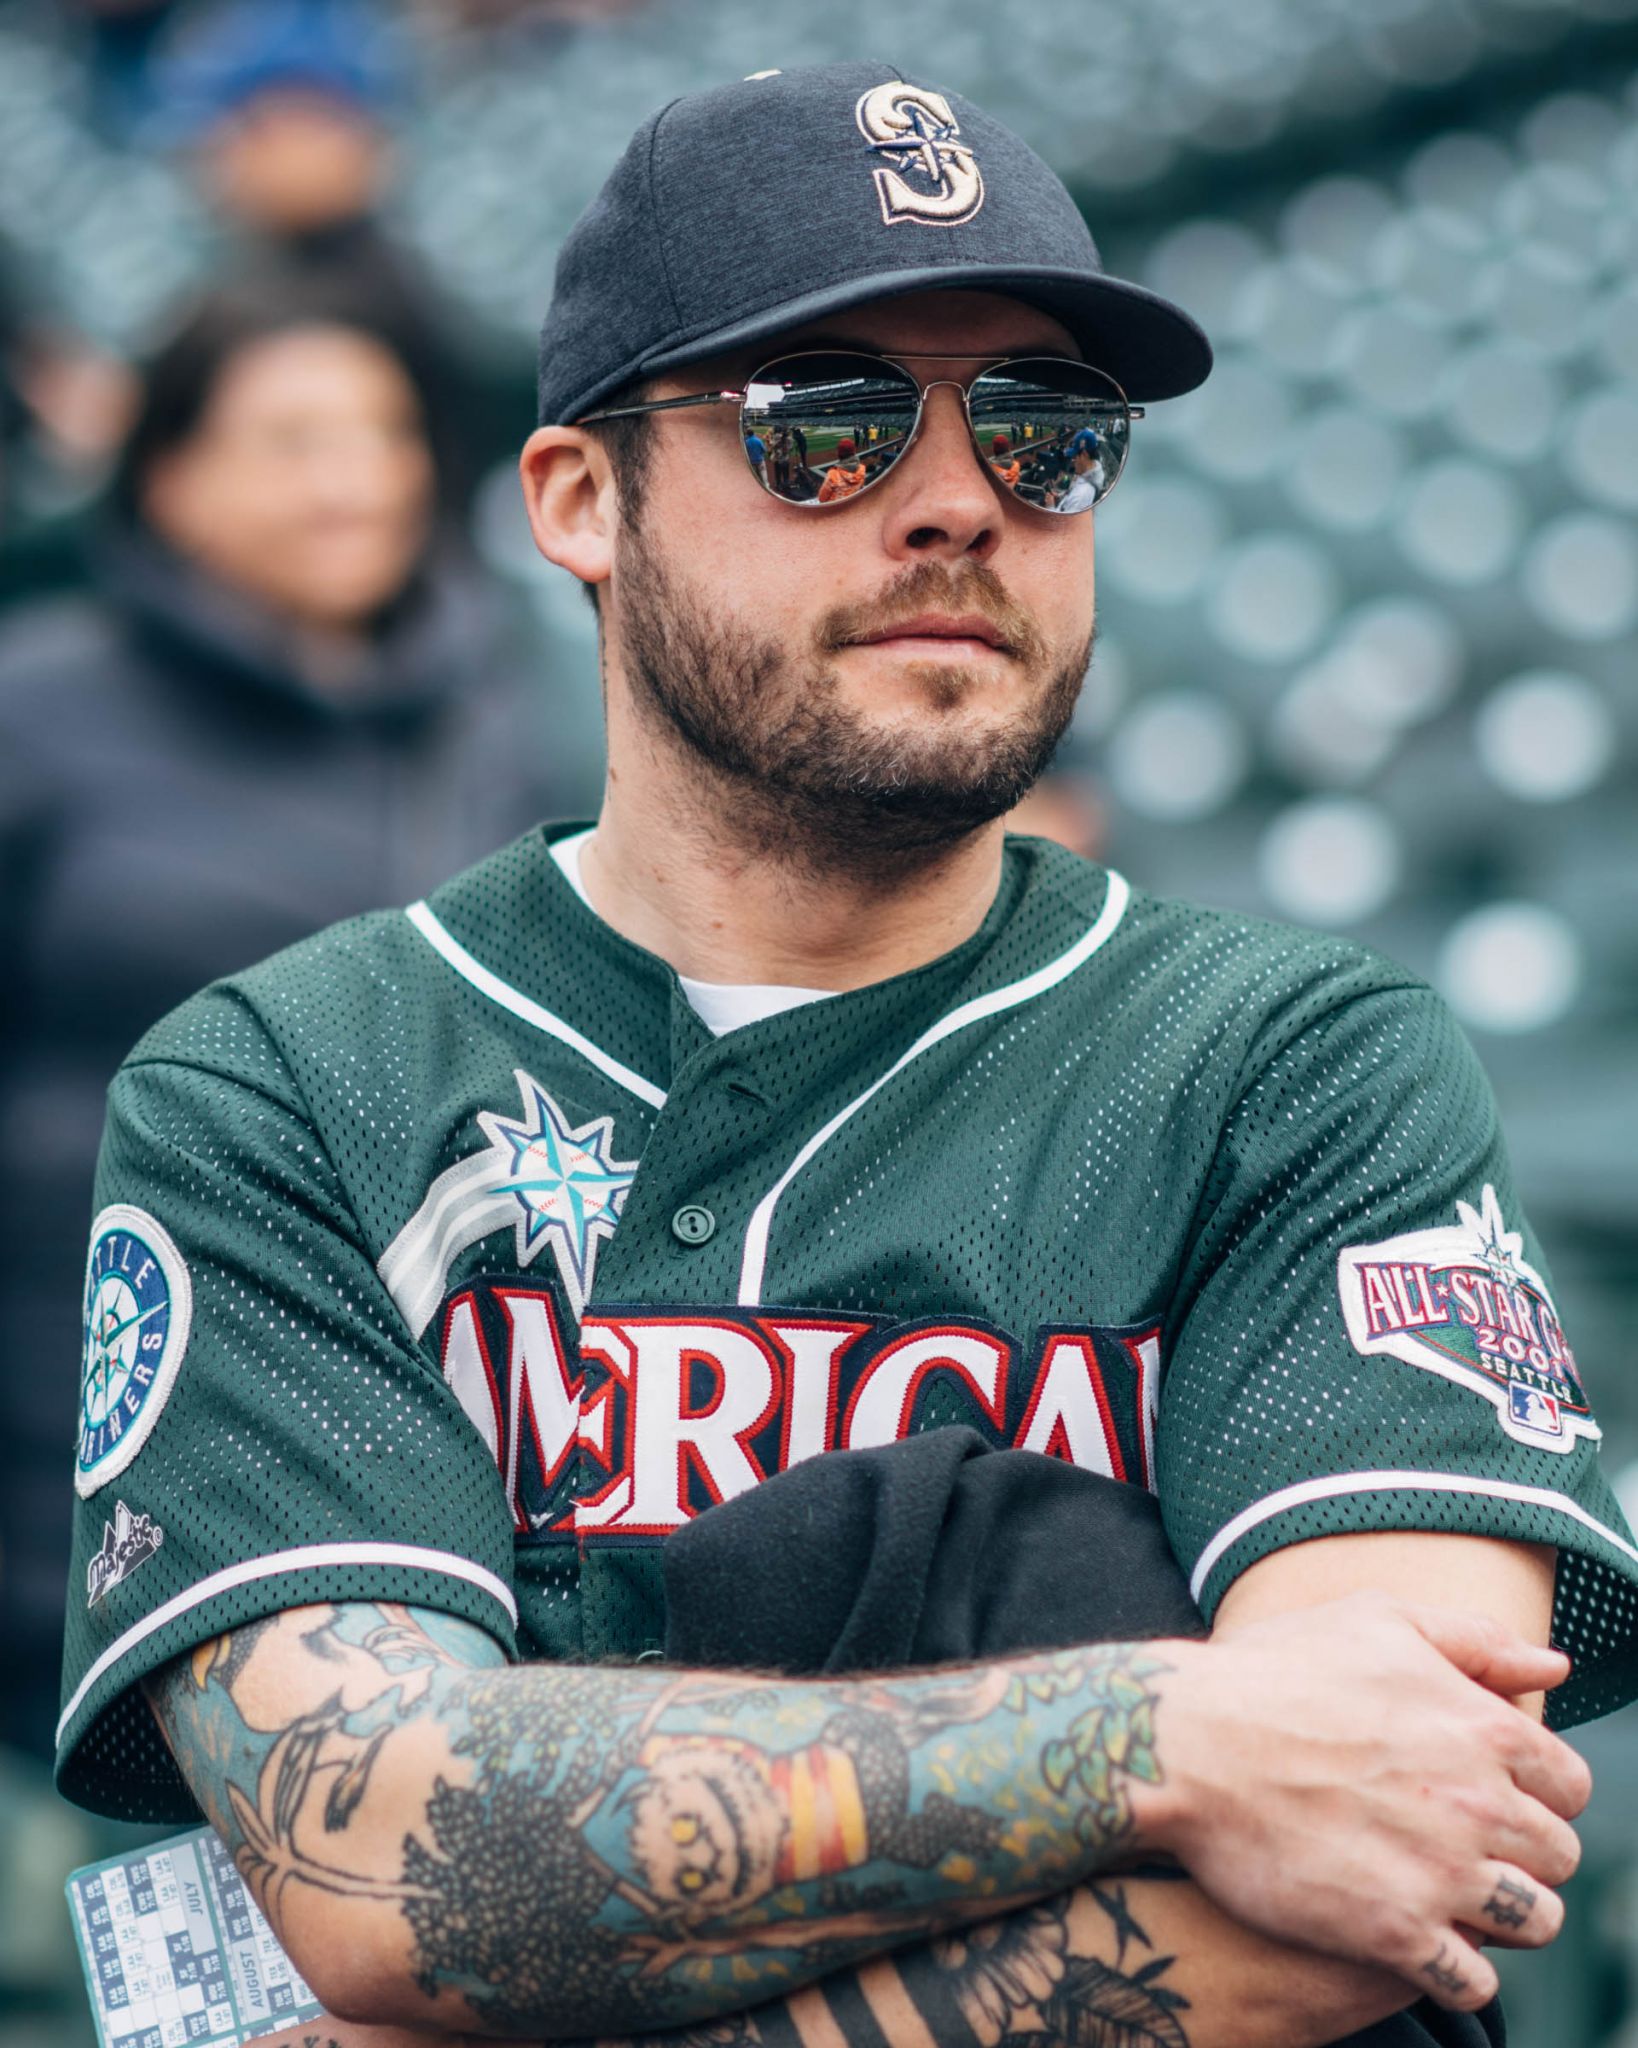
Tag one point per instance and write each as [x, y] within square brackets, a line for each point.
[1117, 406]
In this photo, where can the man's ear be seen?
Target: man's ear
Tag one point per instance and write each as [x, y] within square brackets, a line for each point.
[568, 491]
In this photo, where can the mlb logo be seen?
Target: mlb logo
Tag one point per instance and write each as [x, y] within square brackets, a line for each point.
[1531, 1409]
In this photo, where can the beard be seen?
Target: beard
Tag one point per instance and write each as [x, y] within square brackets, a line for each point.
[798, 775]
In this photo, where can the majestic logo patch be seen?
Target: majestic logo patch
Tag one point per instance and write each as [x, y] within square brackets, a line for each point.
[551, 1183]
[1461, 1302]
[927, 173]
[138, 1306]
[127, 1541]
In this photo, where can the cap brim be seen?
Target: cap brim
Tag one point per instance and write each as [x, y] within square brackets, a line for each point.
[1150, 347]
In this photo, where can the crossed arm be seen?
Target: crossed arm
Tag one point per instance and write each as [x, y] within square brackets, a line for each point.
[1102, 1966]
[445, 1844]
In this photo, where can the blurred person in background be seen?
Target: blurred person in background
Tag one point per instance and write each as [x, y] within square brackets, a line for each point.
[287, 698]
[284, 112]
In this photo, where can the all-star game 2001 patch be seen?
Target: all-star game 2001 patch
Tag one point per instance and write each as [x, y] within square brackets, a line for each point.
[1462, 1302]
[138, 1305]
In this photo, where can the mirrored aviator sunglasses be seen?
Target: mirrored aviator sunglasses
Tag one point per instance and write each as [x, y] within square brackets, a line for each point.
[823, 426]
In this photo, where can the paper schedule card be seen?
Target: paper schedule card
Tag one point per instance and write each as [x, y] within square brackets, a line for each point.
[176, 1952]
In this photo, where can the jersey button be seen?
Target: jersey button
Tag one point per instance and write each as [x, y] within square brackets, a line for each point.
[692, 1224]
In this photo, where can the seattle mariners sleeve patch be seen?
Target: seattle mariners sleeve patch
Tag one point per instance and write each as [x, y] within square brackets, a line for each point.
[1461, 1302]
[138, 1307]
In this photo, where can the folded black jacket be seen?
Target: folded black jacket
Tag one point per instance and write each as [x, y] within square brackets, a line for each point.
[942, 1550]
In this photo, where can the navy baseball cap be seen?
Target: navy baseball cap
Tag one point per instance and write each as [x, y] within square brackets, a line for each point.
[739, 213]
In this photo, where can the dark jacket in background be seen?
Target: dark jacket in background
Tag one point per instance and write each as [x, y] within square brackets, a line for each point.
[176, 802]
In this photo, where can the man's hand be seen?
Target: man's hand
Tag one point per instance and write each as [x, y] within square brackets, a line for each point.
[1353, 1778]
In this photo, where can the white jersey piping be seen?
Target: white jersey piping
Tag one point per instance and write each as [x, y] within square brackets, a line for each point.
[754, 1260]
[1339, 1484]
[309, 1557]
[444, 942]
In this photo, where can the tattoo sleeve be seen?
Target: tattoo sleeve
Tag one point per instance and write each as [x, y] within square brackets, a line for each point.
[553, 1851]
[1135, 1962]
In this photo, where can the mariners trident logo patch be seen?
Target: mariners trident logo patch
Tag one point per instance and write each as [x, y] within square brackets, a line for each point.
[1463, 1303]
[138, 1305]
[551, 1183]
[926, 172]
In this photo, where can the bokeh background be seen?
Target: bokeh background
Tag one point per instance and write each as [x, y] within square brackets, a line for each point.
[1368, 601]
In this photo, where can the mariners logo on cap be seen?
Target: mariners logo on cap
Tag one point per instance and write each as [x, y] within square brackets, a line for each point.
[927, 172]
[138, 1304]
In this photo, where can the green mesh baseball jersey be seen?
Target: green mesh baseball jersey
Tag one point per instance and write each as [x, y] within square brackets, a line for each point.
[448, 1258]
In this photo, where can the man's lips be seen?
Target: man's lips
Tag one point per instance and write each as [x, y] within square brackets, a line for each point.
[965, 626]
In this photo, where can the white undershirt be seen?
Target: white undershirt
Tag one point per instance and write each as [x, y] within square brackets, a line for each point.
[721, 1006]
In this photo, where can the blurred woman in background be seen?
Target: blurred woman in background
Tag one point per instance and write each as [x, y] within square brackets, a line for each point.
[289, 697]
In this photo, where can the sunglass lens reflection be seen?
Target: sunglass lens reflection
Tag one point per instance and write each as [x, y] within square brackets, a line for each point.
[1044, 426]
[820, 428]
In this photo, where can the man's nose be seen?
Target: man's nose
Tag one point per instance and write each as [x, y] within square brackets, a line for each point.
[938, 501]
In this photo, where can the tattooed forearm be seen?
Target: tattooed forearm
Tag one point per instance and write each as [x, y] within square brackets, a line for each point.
[608, 1850]
[1057, 1972]
[308, 1696]
[1142, 1962]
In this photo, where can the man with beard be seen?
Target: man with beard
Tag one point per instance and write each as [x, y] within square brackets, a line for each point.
[449, 1263]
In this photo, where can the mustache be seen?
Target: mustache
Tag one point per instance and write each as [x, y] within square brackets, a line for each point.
[933, 586]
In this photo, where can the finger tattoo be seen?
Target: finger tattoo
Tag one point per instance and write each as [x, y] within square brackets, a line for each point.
[1439, 1972]
[1510, 1904]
